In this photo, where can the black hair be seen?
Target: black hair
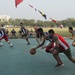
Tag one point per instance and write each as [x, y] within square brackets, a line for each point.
[21, 23]
[70, 28]
[39, 30]
[51, 31]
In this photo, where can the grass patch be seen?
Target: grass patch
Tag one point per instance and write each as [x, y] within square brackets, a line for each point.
[64, 31]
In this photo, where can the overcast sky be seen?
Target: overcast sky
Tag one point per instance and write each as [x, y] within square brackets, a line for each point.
[56, 9]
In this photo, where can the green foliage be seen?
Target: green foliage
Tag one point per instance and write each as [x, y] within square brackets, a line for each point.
[15, 22]
[63, 33]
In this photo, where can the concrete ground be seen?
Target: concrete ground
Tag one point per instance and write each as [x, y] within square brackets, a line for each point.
[18, 61]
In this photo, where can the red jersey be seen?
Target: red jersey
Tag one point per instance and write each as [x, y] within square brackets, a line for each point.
[62, 42]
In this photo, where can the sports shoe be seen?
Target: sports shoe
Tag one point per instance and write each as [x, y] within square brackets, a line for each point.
[28, 43]
[1, 45]
[11, 45]
[59, 65]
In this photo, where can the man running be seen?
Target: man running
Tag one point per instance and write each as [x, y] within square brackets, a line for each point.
[24, 33]
[60, 46]
[45, 36]
[3, 35]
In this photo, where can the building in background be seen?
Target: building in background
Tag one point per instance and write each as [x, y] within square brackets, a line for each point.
[4, 18]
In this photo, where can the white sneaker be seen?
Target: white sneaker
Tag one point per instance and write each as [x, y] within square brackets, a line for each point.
[1, 45]
[59, 65]
[11, 45]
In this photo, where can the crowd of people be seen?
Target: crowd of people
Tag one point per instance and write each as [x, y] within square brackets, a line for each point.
[57, 44]
[14, 34]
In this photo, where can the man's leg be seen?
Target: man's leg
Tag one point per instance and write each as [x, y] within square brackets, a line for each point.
[1, 44]
[6, 38]
[69, 55]
[27, 40]
[56, 56]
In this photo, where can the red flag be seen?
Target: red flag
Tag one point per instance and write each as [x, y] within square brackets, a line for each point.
[31, 6]
[17, 2]
[53, 20]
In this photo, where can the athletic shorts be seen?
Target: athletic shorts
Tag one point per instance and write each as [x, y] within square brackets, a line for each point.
[66, 52]
[5, 37]
[48, 48]
[24, 35]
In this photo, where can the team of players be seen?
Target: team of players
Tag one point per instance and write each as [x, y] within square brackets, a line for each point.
[57, 43]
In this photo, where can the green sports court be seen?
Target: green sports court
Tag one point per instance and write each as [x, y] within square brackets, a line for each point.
[18, 60]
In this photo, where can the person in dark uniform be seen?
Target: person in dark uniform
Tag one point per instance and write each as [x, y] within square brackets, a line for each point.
[13, 33]
[44, 36]
[24, 32]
